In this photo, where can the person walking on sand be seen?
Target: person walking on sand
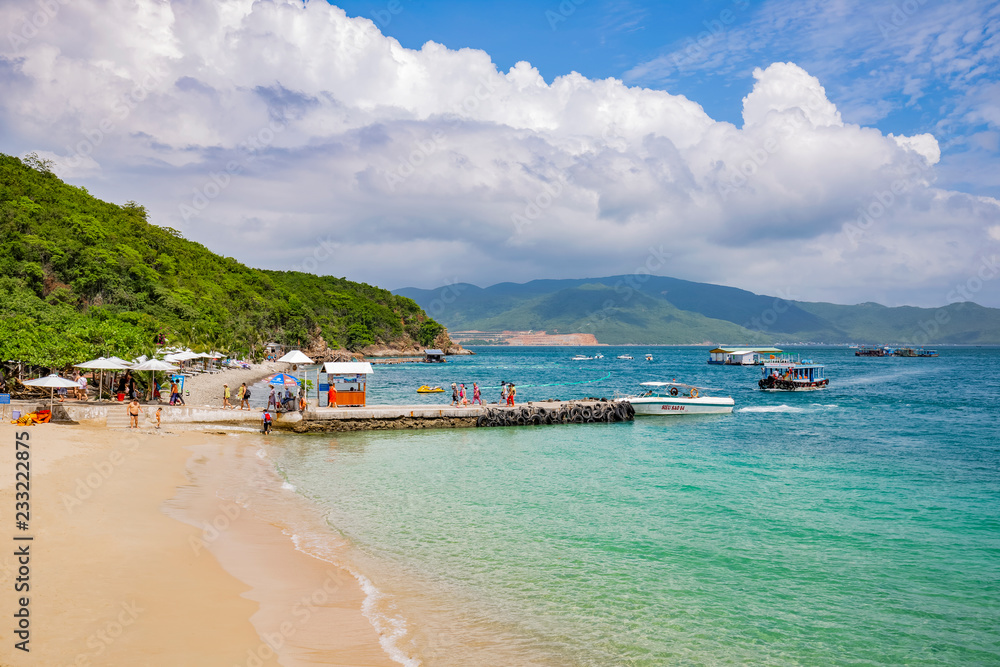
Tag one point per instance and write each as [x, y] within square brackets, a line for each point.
[133, 414]
[454, 394]
[245, 400]
[477, 397]
[174, 392]
[511, 393]
[239, 394]
[225, 396]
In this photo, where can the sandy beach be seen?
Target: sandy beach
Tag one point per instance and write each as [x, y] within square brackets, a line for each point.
[139, 557]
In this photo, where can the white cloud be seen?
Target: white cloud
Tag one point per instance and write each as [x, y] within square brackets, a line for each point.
[264, 129]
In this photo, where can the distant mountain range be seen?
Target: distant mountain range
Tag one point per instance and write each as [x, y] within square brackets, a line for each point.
[661, 310]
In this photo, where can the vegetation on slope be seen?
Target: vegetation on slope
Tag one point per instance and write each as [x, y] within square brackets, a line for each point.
[649, 309]
[80, 278]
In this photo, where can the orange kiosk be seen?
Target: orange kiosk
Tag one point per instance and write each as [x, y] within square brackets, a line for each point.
[346, 382]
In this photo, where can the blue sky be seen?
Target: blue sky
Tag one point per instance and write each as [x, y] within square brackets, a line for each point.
[903, 67]
[818, 150]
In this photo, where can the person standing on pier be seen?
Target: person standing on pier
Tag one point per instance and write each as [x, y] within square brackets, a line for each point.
[454, 394]
[511, 393]
[477, 397]
[503, 393]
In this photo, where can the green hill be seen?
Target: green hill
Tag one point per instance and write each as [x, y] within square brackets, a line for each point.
[660, 309]
[80, 277]
[594, 308]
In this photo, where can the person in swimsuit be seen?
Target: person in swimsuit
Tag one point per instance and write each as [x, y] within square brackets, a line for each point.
[133, 414]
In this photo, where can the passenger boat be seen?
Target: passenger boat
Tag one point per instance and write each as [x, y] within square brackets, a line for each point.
[677, 398]
[787, 375]
[424, 389]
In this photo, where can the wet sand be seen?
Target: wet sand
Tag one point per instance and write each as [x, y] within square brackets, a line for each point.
[133, 564]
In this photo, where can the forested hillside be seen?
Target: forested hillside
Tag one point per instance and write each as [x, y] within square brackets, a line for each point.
[80, 277]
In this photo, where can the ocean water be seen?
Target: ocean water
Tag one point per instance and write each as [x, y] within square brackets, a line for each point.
[855, 525]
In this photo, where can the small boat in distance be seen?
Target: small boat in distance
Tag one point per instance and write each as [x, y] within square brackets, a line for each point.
[784, 375]
[424, 389]
[598, 356]
[677, 398]
[625, 356]
[649, 357]
[581, 357]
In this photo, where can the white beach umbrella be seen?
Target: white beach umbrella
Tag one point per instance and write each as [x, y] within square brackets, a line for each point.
[102, 364]
[53, 382]
[152, 366]
[297, 357]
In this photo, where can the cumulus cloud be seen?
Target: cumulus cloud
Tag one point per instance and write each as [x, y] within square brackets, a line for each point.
[269, 129]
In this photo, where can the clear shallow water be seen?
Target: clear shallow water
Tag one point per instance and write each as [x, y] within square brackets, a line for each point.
[856, 525]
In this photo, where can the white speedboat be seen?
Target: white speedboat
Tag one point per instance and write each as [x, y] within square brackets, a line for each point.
[598, 356]
[581, 357]
[649, 357]
[676, 398]
[625, 356]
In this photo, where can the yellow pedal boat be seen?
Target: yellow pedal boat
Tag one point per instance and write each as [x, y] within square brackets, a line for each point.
[424, 389]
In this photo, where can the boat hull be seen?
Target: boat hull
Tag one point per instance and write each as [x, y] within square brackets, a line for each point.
[681, 405]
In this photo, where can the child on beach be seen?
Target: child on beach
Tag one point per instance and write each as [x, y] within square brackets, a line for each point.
[159, 411]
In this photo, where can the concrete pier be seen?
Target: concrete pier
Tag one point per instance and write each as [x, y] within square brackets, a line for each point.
[368, 418]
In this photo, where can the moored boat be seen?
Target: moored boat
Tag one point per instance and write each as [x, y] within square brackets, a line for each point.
[425, 389]
[786, 375]
[677, 398]
[625, 356]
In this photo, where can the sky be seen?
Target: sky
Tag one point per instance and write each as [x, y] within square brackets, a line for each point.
[841, 151]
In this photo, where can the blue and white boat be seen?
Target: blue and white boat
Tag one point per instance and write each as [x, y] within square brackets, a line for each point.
[785, 375]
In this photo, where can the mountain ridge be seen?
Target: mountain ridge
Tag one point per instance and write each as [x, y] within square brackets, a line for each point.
[632, 311]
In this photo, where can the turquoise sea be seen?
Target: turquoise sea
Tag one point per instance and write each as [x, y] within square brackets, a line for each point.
[856, 525]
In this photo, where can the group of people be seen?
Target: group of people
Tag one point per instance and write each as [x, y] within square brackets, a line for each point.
[242, 395]
[460, 397]
[133, 413]
[79, 391]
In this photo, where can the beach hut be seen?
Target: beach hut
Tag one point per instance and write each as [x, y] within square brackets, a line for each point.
[350, 378]
[434, 356]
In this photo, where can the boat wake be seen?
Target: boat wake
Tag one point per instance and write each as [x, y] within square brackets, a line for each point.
[772, 408]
